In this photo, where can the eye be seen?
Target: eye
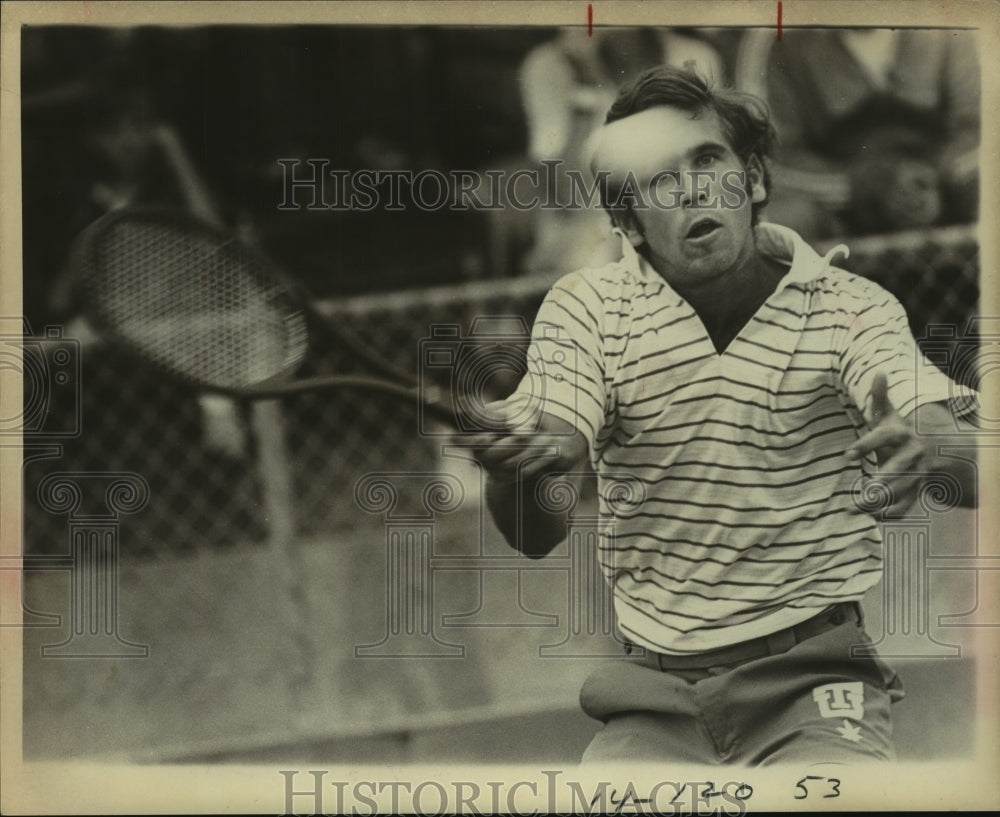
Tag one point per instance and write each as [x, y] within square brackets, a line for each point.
[706, 159]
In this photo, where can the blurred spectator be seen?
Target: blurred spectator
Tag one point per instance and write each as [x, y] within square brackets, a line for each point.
[134, 159]
[879, 128]
[567, 86]
[129, 158]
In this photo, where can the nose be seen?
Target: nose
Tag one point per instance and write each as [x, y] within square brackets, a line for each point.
[694, 188]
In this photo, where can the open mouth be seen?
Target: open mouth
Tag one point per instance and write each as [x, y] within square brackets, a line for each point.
[702, 227]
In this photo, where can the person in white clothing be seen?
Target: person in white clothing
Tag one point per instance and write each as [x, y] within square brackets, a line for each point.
[751, 389]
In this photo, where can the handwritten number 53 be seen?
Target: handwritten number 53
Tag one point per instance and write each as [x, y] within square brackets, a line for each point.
[830, 783]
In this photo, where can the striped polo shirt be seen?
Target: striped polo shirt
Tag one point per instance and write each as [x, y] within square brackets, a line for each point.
[740, 515]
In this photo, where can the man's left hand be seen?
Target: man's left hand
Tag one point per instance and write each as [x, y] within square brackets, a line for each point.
[903, 457]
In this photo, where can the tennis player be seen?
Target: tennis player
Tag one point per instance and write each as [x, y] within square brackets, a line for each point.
[749, 386]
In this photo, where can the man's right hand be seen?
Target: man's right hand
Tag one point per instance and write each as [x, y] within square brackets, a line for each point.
[511, 450]
[512, 459]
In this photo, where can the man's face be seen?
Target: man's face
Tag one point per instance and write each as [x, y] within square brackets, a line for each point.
[698, 194]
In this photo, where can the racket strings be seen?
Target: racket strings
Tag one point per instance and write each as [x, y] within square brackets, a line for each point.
[194, 304]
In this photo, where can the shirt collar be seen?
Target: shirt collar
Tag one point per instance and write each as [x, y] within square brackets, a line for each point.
[788, 247]
[781, 243]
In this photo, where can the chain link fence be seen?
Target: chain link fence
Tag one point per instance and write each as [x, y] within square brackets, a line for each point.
[293, 582]
[203, 496]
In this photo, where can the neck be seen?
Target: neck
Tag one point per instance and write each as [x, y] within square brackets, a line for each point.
[726, 294]
[726, 302]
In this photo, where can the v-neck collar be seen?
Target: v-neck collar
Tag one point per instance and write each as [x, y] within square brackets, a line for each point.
[782, 244]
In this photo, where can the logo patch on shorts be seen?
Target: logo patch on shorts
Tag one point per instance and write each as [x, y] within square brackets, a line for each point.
[849, 731]
[841, 700]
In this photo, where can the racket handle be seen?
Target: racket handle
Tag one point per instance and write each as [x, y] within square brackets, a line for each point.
[440, 408]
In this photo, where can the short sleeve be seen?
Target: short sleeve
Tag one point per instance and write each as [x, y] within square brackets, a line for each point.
[878, 339]
[565, 365]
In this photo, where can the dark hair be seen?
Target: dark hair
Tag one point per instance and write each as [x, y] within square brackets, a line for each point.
[744, 117]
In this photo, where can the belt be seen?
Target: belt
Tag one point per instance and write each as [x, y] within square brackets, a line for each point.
[773, 644]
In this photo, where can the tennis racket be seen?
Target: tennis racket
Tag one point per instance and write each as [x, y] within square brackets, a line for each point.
[205, 308]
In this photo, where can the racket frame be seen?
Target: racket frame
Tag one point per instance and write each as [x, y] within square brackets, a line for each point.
[390, 380]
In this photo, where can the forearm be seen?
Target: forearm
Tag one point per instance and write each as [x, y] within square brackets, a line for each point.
[526, 525]
[532, 521]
